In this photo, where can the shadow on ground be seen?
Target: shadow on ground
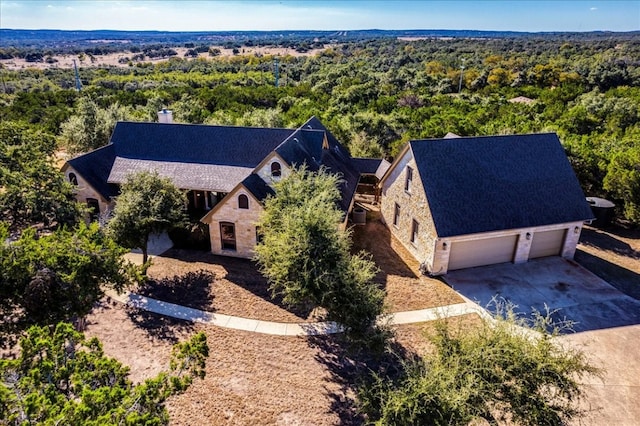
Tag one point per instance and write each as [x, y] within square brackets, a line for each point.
[349, 367]
[192, 289]
[158, 326]
[374, 237]
[609, 239]
[241, 272]
[623, 279]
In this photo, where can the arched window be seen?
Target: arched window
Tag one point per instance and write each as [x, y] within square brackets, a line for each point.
[73, 179]
[276, 169]
[243, 201]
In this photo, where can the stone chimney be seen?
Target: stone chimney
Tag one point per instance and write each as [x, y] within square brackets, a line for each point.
[165, 116]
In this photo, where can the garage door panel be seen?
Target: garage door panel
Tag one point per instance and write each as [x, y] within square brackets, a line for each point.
[547, 243]
[467, 254]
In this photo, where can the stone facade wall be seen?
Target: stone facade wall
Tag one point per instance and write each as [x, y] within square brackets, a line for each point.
[413, 205]
[244, 220]
[83, 191]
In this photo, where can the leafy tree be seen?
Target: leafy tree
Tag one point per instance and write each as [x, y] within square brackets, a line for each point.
[496, 371]
[623, 179]
[91, 127]
[63, 378]
[306, 257]
[32, 190]
[361, 145]
[147, 204]
[57, 277]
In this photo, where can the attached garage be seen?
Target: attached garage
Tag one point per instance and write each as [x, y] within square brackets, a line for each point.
[484, 200]
[547, 243]
[467, 254]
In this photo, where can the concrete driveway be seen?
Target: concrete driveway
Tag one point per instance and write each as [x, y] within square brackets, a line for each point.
[607, 324]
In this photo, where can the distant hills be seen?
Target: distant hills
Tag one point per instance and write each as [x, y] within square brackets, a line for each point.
[78, 39]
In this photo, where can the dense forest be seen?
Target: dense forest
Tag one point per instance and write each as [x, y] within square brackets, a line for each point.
[373, 93]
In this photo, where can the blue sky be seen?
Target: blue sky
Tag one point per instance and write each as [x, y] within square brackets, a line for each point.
[202, 15]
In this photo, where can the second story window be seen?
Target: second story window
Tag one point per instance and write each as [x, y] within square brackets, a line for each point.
[243, 201]
[409, 178]
[276, 169]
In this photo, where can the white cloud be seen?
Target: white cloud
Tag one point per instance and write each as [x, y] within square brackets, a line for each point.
[593, 8]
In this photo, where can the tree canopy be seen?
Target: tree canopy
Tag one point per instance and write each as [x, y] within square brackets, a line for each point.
[58, 277]
[147, 204]
[500, 369]
[373, 93]
[32, 190]
[306, 257]
[63, 378]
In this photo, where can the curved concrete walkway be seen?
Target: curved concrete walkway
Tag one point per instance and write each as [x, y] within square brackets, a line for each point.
[284, 328]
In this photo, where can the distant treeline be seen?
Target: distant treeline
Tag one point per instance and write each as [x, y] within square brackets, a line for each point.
[35, 45]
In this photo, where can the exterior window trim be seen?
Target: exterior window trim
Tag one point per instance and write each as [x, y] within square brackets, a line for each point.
[408, 180]
[396, 214]
[415, 229]
[276, 169]
[243, 202]
[229, 244]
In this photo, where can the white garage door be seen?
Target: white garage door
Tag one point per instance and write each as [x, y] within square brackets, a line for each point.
[467, 254]
[547, 243]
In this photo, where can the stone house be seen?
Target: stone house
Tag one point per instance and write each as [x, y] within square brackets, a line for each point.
[457, 203]
[227, 171]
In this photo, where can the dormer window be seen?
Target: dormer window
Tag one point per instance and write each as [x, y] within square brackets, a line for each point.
[243, 201]
[408, 179]
[276, 169]
[73, 179]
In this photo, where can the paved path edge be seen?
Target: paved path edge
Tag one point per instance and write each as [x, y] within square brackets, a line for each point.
[285, 328]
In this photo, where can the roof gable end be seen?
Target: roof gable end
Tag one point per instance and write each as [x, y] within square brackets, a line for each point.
[489, 183]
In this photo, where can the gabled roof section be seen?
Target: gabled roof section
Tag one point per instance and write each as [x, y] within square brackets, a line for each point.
[200, 144]
[257, 187]
[199, 157]
[480, 184]
[372, 166]
[94, 167]
[312, 144]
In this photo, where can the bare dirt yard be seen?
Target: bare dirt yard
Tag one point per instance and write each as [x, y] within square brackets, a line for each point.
[256, 379]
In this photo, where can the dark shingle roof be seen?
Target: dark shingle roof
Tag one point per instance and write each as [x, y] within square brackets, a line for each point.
[371, 166]
[95, 167]
[216, 158]
[304, 146]
[191, 143]
[257, 187]
[479, 184]
[213, 158]
[367, 166]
